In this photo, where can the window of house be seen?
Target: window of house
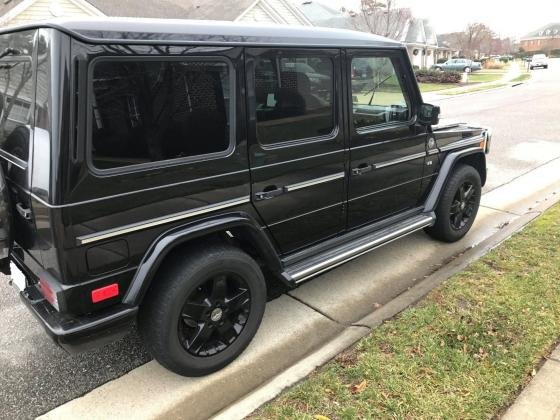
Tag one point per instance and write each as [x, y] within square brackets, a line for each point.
[150, 111]
[294, 98]
[377, 94]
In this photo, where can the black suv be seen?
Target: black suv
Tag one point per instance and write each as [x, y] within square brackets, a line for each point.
[170, 174]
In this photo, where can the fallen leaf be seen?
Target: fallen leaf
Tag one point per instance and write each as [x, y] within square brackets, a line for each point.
[320, 417]
[534, 372]
[358, 387]
[377, 305]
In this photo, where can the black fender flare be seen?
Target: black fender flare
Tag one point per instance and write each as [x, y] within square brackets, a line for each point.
[170, 239]
[446, 168]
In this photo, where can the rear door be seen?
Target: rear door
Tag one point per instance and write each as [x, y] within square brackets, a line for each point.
[296, 143]
[17, 97]
[387, 146]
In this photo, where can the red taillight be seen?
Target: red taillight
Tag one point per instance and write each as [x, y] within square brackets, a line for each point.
[104, 293]
[48, 293]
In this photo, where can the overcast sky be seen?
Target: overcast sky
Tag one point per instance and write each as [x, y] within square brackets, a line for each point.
[507, 18]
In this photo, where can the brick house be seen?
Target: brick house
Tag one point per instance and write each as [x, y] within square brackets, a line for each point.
[543, 39]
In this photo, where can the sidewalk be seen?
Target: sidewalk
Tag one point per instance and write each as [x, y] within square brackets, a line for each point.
[541, 398]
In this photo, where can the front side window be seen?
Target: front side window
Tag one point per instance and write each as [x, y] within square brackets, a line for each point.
[149, 111]
[294, 98]
[377, 94]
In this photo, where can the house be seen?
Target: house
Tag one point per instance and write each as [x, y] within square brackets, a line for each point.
[417, 34]
[543, 39]
[14, 12]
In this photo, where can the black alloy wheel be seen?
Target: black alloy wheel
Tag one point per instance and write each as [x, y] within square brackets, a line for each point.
[214, 315]
[203, 308]
[463, 206]
[458, 205]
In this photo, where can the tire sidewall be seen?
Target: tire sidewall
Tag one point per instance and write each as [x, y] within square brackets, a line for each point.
[464, 173]
[187, 277]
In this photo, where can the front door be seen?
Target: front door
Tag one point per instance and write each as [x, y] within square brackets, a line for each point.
[296, 143]
[387, 146]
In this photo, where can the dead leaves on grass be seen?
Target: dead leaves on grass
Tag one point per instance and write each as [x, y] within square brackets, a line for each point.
[357, 388]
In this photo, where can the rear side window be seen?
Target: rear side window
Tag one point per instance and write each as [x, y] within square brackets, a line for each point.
[149, 111]
[16, 92]
[294, 98]
[377, 94]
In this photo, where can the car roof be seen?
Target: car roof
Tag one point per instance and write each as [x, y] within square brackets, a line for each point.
[176, 31]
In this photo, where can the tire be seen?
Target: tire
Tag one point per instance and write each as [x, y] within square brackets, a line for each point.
[455, 215]
[185, 320]
[467, 69]
[439, 69]
[545, 67]
[531, 68]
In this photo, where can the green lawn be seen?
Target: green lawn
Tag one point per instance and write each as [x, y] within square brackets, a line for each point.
[431, 87]
[463, 352]
[475, 88]
[484, 76]
[522, 77]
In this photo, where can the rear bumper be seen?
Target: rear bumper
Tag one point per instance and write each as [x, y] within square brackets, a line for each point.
[78, 334]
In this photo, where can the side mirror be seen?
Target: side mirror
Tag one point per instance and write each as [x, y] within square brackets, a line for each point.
[428, 114]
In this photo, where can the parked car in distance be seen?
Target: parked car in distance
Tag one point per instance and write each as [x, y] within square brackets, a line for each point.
[173, 174]
[458, 64]
[538, 60]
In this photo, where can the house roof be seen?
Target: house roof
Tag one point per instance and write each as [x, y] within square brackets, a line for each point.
[174, 9]
[171, 9]
[158, 31]
[551, 30]
[405, 27]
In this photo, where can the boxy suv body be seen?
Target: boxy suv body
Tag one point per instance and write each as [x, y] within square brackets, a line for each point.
[172, 173]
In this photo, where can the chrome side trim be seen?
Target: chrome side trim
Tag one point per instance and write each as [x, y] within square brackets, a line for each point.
[399, 160]
[311, 182]
[99, 236]
[339, 259]
[462, 143]
[14, 160]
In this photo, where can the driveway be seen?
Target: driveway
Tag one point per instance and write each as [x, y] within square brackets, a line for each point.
[35, 376]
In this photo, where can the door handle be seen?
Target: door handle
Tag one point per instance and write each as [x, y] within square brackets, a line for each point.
[24, 212]
[269, 192]
[362, 169]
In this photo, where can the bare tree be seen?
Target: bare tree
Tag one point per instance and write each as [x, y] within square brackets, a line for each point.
[473, 39]
[383, 17]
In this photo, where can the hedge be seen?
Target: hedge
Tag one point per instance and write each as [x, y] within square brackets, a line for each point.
[435, 76]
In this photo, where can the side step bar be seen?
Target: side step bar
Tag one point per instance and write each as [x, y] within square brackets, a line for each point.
[304, 270]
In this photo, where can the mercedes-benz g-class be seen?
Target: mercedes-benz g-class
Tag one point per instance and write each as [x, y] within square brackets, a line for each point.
[169, 173]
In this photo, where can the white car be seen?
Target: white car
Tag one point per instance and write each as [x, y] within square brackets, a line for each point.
[538, 60]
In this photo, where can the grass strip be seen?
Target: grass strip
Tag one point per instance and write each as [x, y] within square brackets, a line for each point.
[431, 87]
[463, 352]
[521, 78]
[474, 89]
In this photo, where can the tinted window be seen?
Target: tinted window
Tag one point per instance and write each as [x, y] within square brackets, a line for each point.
[150, 111]
[16, 92]
[377, 95]
[294, 98]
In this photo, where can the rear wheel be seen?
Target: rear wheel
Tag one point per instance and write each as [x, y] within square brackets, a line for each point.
[203, 310]
[467, 69]
[458, 205]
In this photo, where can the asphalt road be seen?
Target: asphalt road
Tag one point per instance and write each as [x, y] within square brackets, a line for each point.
[36, 376]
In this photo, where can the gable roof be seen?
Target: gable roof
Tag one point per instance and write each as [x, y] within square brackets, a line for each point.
[174, 9]
[551, 30]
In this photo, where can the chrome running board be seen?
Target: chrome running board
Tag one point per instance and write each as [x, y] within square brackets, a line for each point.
[317, 264]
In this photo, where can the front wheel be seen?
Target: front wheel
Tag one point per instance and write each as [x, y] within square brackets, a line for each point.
[203, 309]
[458, 205]
[467, 69]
